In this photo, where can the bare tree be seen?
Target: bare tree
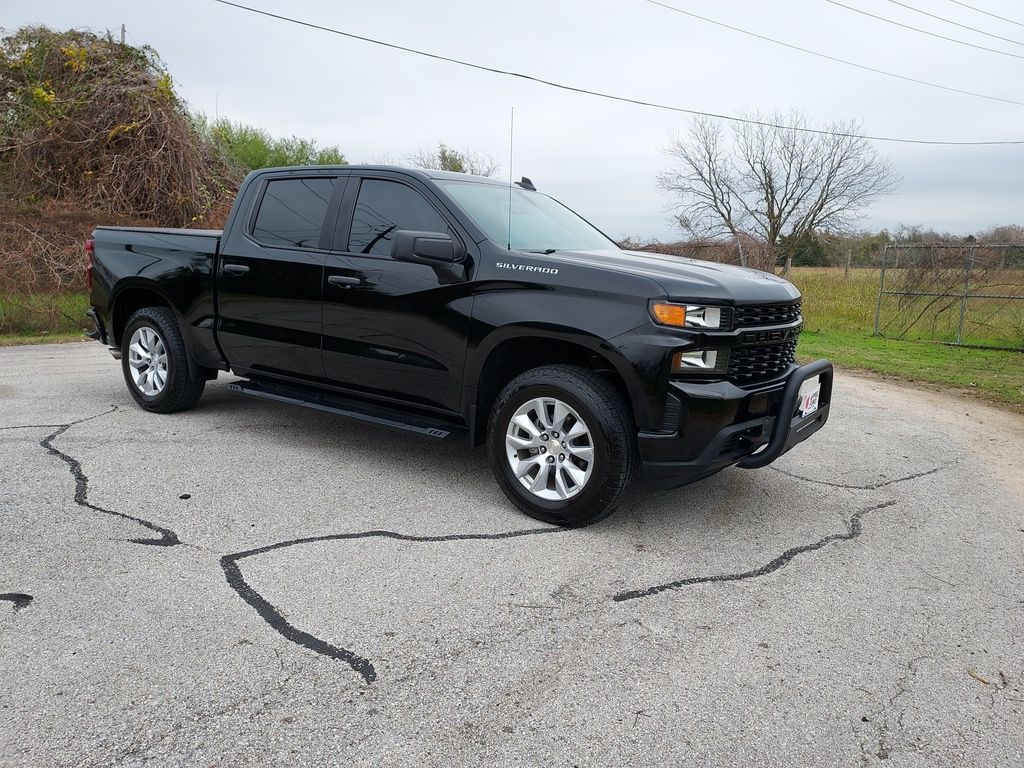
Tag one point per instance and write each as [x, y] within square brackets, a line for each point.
[445, 158]
[768, 182]
[1008, 234]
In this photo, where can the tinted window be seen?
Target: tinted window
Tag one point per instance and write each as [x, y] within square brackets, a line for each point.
[385, 206]
[538, 222]
[292, 212]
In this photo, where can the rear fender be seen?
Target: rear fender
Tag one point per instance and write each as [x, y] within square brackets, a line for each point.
[135, 291]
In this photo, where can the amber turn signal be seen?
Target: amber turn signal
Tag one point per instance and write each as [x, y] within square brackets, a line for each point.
[669, 314]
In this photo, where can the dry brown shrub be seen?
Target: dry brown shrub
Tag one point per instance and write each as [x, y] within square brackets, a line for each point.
[42, 245]
[757, 254]
[87, 119]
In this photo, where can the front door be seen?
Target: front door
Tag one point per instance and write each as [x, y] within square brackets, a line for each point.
[270, 280]
[393, 329]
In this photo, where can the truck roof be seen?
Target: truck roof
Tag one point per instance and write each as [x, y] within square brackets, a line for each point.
[422, 173]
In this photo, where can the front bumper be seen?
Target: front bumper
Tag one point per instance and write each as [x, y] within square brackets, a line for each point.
[720, 424]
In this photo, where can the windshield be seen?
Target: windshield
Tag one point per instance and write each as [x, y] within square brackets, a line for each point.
[539, 223]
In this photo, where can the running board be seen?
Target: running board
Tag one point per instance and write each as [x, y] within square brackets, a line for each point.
[351, 408]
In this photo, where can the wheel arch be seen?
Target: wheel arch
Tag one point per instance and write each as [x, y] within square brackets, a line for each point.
[131, 297]
[515, 350]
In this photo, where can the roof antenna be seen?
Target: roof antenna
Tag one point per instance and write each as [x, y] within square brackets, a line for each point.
[511, 134]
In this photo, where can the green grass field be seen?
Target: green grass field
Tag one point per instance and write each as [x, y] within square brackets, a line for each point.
[42, 315]
[839, 312]
[848, 302]
[990, 374]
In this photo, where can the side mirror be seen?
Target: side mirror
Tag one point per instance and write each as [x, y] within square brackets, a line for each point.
[430, 248]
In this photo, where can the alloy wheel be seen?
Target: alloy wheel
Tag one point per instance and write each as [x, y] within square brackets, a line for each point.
[147, 357]
[549, 448]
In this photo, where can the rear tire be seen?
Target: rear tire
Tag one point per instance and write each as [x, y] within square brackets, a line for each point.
[155, 363]
[562, 445]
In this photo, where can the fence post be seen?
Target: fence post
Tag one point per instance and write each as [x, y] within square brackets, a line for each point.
[964, 296]
[881, 288]
[739, 247]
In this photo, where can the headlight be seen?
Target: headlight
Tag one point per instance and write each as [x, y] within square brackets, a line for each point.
[701, 361]
[686, 315]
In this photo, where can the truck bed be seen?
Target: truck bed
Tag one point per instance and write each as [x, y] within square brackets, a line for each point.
[203, 240]
[139, 266]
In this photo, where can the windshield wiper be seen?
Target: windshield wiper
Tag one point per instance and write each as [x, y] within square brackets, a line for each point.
[545, 251]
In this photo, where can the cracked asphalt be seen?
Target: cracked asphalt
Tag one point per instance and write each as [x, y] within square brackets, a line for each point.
[250, 583]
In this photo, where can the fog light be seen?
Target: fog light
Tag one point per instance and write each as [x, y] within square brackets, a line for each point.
[701, 361]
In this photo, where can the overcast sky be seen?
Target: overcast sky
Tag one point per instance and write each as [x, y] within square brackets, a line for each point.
[597, 156]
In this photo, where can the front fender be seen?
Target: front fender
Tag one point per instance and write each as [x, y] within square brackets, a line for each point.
[645, 410]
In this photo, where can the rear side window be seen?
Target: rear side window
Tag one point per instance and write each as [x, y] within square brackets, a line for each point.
[292, 212]
[384, 207]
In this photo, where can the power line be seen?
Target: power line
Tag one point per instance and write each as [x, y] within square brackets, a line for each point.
[599, 94]
[955, 23]
[831, 58]
[994, 16]
[923, 31]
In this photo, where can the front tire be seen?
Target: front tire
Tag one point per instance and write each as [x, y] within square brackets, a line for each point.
[562, 445]
[155, 363]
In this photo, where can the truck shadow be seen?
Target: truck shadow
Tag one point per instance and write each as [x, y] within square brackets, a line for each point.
[453, 467]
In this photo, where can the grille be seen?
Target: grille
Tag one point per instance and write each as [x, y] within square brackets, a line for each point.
[754, 315]
[754, 363]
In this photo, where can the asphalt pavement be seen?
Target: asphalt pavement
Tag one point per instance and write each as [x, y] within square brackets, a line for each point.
[253, 583]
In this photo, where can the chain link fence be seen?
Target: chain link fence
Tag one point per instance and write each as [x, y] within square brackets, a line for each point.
[959, 294]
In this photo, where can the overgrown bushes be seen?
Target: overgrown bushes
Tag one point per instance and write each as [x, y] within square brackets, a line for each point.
[96, 121]
[92, 131]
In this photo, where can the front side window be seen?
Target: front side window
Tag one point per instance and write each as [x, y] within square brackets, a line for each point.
[292, 212]
[382, 208]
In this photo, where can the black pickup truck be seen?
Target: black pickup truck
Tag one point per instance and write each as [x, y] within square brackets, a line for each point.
[449, 305]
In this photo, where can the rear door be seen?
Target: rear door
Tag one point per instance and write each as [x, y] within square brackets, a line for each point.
[394, 329]
[270, 276]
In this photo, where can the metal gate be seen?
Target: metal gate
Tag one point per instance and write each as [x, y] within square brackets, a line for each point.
[959, 294]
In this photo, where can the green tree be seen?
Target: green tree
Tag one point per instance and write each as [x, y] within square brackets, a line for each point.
[249, 147]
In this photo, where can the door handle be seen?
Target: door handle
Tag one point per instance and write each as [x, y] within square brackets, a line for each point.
[344, 280]
[236, 269]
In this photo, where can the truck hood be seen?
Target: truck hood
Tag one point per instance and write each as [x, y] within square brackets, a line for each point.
[686, 279]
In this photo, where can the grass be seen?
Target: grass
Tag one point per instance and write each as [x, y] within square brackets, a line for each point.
[834, 301]
[39, 315]
[839, 302]
[989, 374]
[839, 312]
[839, 316]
